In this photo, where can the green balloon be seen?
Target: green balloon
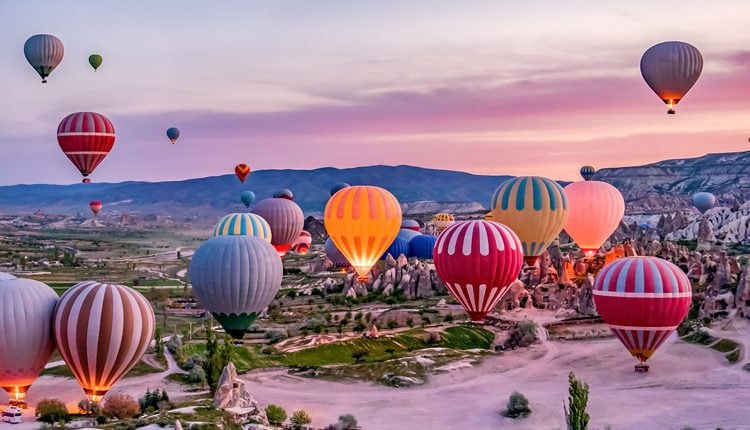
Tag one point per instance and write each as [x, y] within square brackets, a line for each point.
[95, 60]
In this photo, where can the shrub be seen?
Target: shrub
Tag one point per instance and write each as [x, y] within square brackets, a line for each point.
[192, 362]
[347, 422]
[390, 351]
[87, 407]
[518, 406]
[359, 355]
[300, 419]
[359, 327]
[52, 411]
[410, 322]
[120, 406]
[174, 344]
[276, 414]
[575, 411]
[449, 318]
[433, 338]
[153, 400]
[392, 324]
[523, 334]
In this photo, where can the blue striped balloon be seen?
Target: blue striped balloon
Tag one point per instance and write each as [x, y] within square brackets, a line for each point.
[587, 172]
[243, 224]
[421, 246]
[398, 246]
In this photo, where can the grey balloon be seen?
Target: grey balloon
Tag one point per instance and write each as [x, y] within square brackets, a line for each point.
[44, 52]
[236, 278]
[285, 218]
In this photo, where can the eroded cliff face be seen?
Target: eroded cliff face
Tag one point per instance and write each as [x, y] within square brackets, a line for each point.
[429, 207]
[668, 185]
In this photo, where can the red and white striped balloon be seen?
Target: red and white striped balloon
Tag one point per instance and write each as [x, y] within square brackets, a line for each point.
[86, 138]
[642, 299]
[477, 261]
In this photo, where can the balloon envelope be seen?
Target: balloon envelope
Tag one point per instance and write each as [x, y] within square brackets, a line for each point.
[236, 278]
[242, 170]
[642, 299]
[238, 224]
[443, 221]
[535, 208]
[26, 344]
[247, 198]
[337, 187]
[303, 242]
[95, 206]
[102, 331]
[284, 193]
[285, 219]
[671, 69]
[173, 133]
[397, 247]
[410, 224]
[704, 201]
[421, 246]
[44, 52]
[86, 138]
[407, 234]
[95, 60]
[362, 221]
[587, 172]
[595, 209]
[477, 261]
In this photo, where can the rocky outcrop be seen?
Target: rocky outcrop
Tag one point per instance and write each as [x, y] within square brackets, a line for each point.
[316, 229]
[232, 396]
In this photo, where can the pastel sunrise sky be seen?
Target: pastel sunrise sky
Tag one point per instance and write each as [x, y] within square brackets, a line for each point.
[489, 87]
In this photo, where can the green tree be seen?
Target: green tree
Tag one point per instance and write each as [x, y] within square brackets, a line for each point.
[410, 322]
[276, 414]
[575, 411]
[158, 343]
[300, 419]
[391, 352]
[52, 411]
[359, 355]
[518, 406]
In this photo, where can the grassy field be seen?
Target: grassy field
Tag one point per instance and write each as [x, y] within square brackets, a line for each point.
[139, 369]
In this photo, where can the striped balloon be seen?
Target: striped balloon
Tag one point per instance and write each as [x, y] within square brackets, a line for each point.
[303, 242]
[96, 206]
[410, 224]
[587, 172]
[535, 208]
[235, 277]
[443, 221]
[478, 260]
[44, 52]
[642, 299]
[285, 219]
[671, 69]
[86, 138]
[362, 221]
[26, 309]
[242, 170]
[243, 224]
[596, 210]
[102, 331]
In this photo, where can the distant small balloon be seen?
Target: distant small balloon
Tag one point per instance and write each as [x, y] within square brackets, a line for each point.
[95, 206]
[704, 201]
[284, 193]
[247, 197]
[173, 133]
[671, 69]
[95, 60]
[339, 186]
[587, 172]
[242, 170]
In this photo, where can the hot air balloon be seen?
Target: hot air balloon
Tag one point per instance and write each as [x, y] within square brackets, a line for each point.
[303, 242]
[337, 187]
[397, 247]
[704, 201]
[408, 234]
[235, 277]
[421, 246]
[362, 221]
[95, 60]
[595, 209]
[333, 254]
[173, 133]
[285, 218]
[95, 206]
[247, 198]
[26, 310]
[410, 224]
[488, 216]
[535, 208]
[86, 138]
[238, 224]
[44, 52]
[284, 193]
[642, 299]
[477, 261]
[671, 69]
[102, 331]
[443, 221]
[242, 170]
[587, 172]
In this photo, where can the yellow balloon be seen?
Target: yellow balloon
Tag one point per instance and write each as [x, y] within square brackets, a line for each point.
[535, 208]
[362, 222]
[443, 221]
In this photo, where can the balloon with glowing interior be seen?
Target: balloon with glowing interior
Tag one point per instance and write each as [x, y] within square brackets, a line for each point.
[477, 261]
[704, 201]
[284, 193]
[247, 198]
[95, 206]
[595, 209]
[335, 189]
[535, 208]
[671, 69]
[86, 138]
[285, 218]
[236, 278]
[101, 331]
[398, 247]
[238, 224]
[410, 224]
[642, 299]
[333, 254]
[362, 221]
[26, 310]
[443, 221]
[95, 60]
[242, 170]
[408, 234]
[303, 242]
[587, 172]
[44, 52]
[422, 246]
[173, 133]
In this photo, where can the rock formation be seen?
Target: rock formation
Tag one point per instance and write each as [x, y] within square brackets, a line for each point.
[232, 396]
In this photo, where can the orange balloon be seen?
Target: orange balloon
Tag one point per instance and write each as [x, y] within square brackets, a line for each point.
[362, 222]
[595, 209]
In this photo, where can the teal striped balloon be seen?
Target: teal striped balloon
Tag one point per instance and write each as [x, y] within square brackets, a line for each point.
[243, 224]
